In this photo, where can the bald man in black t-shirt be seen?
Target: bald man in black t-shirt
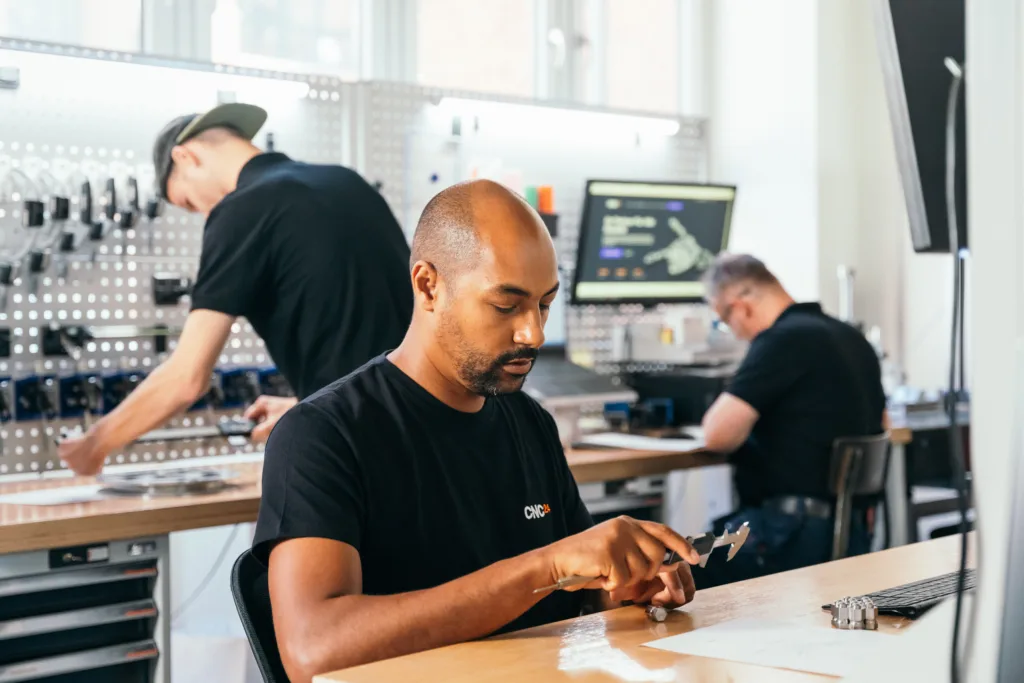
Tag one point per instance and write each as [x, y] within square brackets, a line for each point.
[422, 500]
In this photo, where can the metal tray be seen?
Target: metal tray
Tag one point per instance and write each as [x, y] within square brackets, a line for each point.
[171, 482]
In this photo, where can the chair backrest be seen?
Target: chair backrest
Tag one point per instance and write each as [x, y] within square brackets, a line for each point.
[858, 467]
[252, 600]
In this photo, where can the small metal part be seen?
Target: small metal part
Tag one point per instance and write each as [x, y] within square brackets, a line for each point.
[33, 213]
[855, 614]
[38, 262]
[656, 613]
[108, 201]
[85, 204]
[60, 208]
[8, 272]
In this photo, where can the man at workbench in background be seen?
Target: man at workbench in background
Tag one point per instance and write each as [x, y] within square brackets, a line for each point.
[422, 500]
[311, 255]
[806, 380]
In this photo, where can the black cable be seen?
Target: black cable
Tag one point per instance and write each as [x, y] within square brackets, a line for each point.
[963, 306]
[956, 335]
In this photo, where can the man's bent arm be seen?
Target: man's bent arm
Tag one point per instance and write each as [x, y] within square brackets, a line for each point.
[323, 623]
[727, 423]
[174, 386]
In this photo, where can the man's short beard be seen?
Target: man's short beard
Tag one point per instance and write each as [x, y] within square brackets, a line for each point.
[486, 376]
[482, 374]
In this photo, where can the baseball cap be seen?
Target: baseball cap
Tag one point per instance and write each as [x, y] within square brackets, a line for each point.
[244, 119]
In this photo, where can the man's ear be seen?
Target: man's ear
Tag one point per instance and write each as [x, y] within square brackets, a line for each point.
[182, 155]
[425, 284]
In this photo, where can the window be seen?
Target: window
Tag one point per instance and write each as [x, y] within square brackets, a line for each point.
[628, 53]
[310, 36]
[479, 45]
[642, 54]
[104, 24]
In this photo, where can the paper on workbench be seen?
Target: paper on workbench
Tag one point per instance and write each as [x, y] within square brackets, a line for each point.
[779, 644]
[62, 495]
[638, 442]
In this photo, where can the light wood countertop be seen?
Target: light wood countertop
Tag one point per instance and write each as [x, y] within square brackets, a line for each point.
[607, 647]
[33, 527]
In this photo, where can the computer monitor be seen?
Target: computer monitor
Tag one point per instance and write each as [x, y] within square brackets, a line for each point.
[649, 242]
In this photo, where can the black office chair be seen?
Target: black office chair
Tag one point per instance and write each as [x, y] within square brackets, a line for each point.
[859, 467]
[252, 600]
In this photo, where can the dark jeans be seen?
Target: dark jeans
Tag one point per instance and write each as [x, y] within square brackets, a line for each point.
[777, 542]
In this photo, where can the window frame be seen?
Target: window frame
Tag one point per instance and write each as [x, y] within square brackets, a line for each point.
[564, 32]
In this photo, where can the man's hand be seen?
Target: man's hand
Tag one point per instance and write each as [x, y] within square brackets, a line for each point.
[267, 410]
[170, 389]
[671, 588]
[625, 555]
[82, 453]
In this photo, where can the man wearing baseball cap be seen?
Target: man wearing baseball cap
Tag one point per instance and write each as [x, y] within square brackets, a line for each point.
[310, 254]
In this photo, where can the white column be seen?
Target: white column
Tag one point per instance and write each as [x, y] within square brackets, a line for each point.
[995, 154]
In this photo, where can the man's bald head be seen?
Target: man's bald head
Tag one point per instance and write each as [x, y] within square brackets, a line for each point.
[484, 274]
[462, 220]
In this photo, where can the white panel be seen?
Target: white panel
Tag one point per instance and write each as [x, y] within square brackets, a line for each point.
[995, 167]
[764, 132]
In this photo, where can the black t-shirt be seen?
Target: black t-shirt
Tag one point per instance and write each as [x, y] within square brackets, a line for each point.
[424, 492]
[812, 379]
[315, 260]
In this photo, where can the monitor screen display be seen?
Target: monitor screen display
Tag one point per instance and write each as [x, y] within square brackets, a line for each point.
[645, 242]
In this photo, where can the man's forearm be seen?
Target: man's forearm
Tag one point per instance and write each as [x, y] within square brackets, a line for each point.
[157, 399]
[355, 629]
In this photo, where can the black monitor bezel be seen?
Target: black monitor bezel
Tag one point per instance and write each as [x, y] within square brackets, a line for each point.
[582, 236]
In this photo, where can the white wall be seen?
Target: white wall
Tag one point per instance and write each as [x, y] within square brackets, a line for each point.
[799, 122]
[763, 131]
[193, 553]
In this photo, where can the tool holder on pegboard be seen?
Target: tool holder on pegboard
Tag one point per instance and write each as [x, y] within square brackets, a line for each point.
[94, 272]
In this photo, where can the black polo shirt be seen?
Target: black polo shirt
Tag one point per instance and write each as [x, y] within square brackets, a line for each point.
[811, 378]
[312, 256]
[424, 492]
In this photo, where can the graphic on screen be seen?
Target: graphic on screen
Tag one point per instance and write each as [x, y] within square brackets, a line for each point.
[650, 242]
[683, 254]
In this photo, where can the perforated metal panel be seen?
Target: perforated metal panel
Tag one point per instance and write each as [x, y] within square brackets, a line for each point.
[80, 114]
[411, 147]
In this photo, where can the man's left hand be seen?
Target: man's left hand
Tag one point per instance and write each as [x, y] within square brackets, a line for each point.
[671, 588]
[83, 454]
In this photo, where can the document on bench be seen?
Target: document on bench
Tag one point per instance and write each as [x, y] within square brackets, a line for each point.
[779, 644]
[60, 495]
[638, 442]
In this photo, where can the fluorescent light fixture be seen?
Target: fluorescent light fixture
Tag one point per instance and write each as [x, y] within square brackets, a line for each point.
[548, 118]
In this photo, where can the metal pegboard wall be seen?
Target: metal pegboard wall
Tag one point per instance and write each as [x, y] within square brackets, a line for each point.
[415, 148]
[77, 115]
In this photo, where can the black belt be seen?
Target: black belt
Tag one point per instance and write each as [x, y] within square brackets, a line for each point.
[801, 505]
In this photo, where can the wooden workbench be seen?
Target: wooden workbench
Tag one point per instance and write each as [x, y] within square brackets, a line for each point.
[602, 647]
[34, 527]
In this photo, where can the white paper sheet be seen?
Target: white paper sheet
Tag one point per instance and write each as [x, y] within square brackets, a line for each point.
[638, 442]
[61, 495]
[779, 644]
